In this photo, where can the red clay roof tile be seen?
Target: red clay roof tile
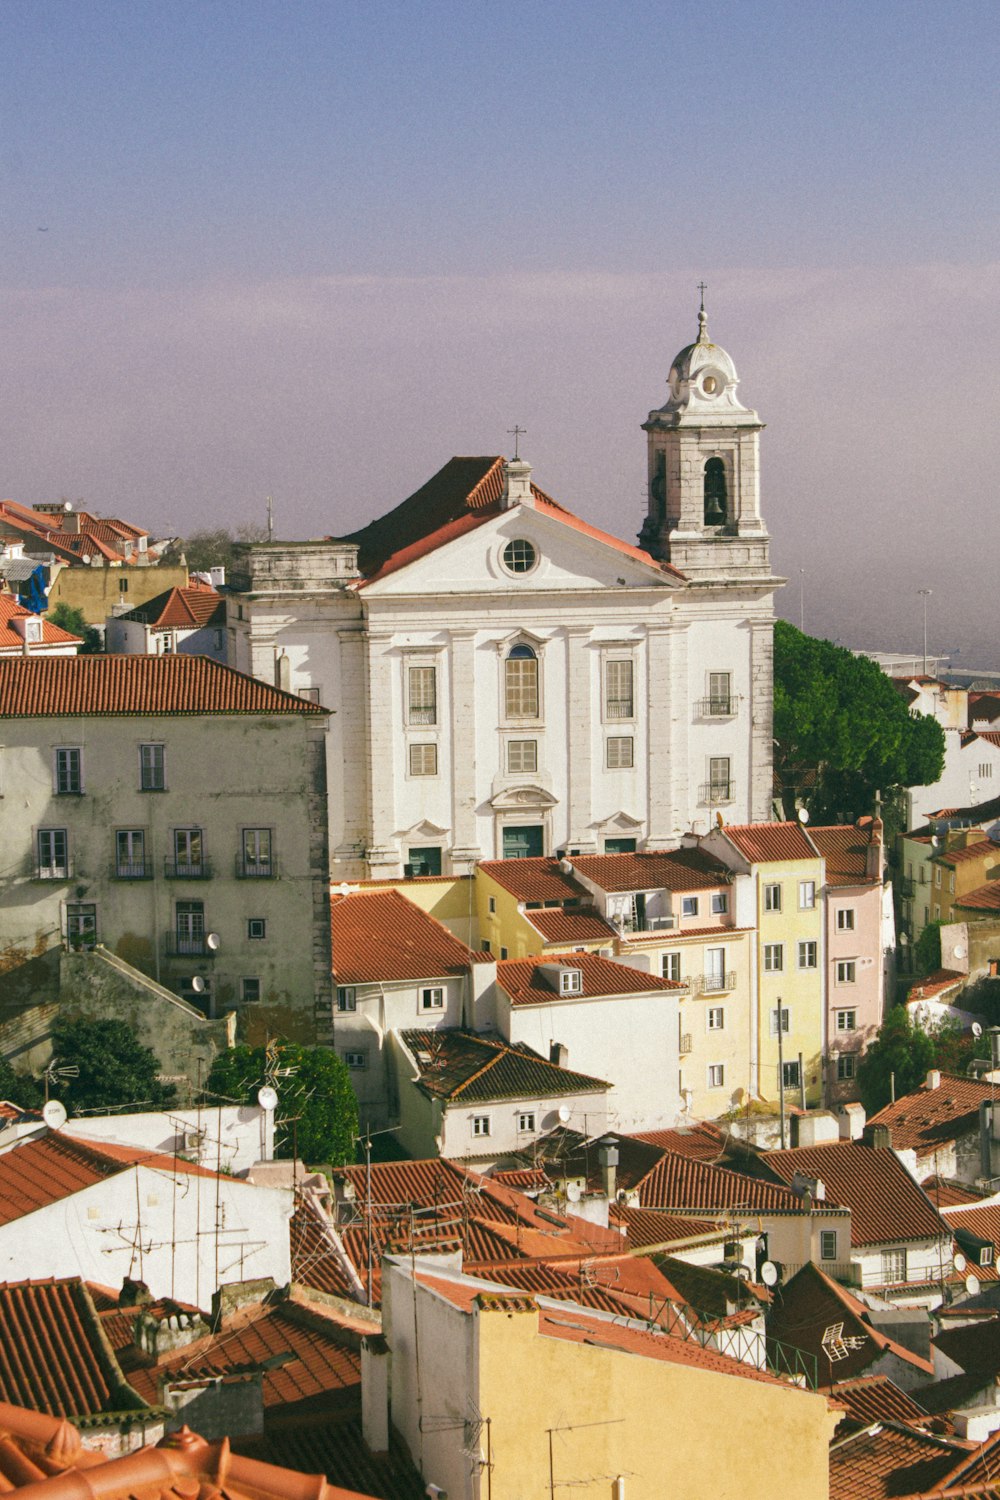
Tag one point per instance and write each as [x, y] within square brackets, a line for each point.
[926, 1118]
[10, 640]
[132, 686]
[673, 870]
[524, 983]
[189, 608]
[886, 1204]
[380, 935]
[767, 843]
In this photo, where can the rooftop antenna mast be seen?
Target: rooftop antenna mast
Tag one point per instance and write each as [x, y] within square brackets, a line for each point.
[270, 519]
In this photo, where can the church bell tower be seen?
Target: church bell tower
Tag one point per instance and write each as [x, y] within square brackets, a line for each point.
[704, 465]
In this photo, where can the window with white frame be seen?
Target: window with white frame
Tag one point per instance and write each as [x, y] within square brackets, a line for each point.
[423, 759]
[618, 698]
[689, 906]
[526, 1120]
[130, 854]
[670, 966]
[481, 1125]
[808, 954]
[432, 999]
[720, 903]
[828, 1244]
[571, 982]
[894, 1265]
[189, 852]
[780, 1017]
[53, 853]
[347, 997]
[720, 786]
[846, 1067]
[774, 958]
[69, 772]
[421, 696]
[522, 756]
[772, 897]
[620, 752]
[845, 919]
[847, 970]
[847, 1020]
[937, 874]
[715, 970]
[356, 1060]
[720, 697]
[951, 883]
[716, 1075]
[521, 683]
[716, 1018]
[807, 895]
[151, 768]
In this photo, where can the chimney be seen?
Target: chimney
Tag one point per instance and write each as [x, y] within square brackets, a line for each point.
[71, 523]
[608, 1158]
[933, 1079]
[517, 484]
[375, 1392]
[873, 852]
[881, 1137]
[559, 1054]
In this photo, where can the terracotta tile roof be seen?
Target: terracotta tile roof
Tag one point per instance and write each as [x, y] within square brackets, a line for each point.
[978, 1218]
[845, 847]
[558, 926]
[461, 1065]
[678, 1182]
[52, 1358]
[135, 686]
[982, 1466]
[533, 879]
[674, 870]
[188, 608]
[10, 640]
[927, 1118]
[816, 1314]
[522, 1179]
[699, 1140]
[334, 1445]
[318, 1259]
[769, 843]
[891, 1459]
[710, 1291]
[886, 1204]
[647, 1227]
[380, 936]
[522, 981]
[982, 849]
[944, 1192]
[935, 984]
[983, 898]
[876, 1398]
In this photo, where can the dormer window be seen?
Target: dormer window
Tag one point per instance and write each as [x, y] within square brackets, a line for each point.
[570, 981]
[716, 500]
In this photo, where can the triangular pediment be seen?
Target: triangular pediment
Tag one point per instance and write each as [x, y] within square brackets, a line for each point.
[423, 830]
[517, 798]
[621, 822]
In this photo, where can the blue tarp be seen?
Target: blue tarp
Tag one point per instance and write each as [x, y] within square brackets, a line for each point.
[32, 594]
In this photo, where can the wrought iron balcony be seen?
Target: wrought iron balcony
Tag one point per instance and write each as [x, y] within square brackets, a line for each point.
[255, 869]
[714, 984]
[187, 869]
[132, 869]
[721, 706]
[717, 792]
[187, 945]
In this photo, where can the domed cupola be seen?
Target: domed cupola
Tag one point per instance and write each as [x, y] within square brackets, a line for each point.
[703, 457]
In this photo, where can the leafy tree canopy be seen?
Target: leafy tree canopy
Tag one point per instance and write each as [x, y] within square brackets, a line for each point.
[115, 1068]
[18, 1088]
[73, 620]
[203, 550]
[317, 1116]
[908, 1051]
[927, 949]
[842, 732]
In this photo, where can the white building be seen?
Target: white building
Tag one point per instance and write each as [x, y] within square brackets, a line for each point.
[509, 680]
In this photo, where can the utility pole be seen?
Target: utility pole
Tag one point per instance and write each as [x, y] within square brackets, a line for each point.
[781, 1070]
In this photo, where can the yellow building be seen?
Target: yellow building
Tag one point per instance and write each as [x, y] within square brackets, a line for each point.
[963, 860]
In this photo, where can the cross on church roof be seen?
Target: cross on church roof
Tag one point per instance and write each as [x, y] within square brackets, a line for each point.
[516, 433]
[702, 315]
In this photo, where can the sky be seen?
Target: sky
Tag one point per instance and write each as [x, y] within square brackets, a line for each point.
[311, 250]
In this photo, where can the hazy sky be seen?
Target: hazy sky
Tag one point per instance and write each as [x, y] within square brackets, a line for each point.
[314, 249]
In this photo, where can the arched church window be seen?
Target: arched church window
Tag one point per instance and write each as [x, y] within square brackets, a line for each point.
[521, 683]
[716, 500]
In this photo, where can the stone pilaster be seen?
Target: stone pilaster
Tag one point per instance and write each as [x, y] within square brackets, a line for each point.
[581, 716]
[465, 845]
[382, 855]
[668, 795]
[761, 770]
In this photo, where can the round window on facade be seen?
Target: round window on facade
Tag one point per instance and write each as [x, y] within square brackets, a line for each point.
[519, 556]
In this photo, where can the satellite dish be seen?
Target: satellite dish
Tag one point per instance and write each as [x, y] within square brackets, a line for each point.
[564, 1113]
[977, 1030]
[198, 985]
[972, 1285]
[212, 941]
[959, 1261]
[958, 950]
[574, 1192]
[267, 1098]
[67, 505]
[54, 1114]
[769, 1273]
[803, 815]
[85, 559]
[935, 841]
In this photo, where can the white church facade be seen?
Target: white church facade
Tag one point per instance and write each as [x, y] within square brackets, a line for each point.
[507, 680]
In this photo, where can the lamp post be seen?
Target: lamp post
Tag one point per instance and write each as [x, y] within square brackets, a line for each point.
[925, 595]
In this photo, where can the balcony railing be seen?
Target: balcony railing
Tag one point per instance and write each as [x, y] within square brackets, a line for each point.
[906, 887]
[62, 871]
[132, 869]
[619, 708]
[648, 924]
[187, 945]
[721, 707]
[714, 984]
[255, 869]
[422, 716]
[717, 792]
[187, 869]
[686, 1043]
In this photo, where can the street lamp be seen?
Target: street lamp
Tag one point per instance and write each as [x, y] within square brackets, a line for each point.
[925, 595]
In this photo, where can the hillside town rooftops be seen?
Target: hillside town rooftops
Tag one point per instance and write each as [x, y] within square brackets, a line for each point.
[380, 936]
[43, 687]
[525, 981]
[190, 608]
[770, 843]
[674, 870]
[678, 1182]
[886, 1204]
[890, 1458]
[942, 1109]
[461, 1065]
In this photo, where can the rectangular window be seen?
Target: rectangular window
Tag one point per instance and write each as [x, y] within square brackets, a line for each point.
[720, 787]
[985, 770]
[790, 1075]
[620, 752]
[432, 999]
[715, 969]
[720, 903]
[492, 905]
[347, 997]
[53, 853]
[521, 686]
[480, 1125]
[522, 756]
[256, 928]
[720, 701]
[670, 966]
[845, 919]
[423, 861]
[716, 1018]
[526, 1120]
[937, 874]
[256, 857]
[618, 689]
[130, 854]
[250, 991]
[151, 768]
[69, 773]
[846, 971]
[423, 760]
[189, 917]
[189, 853]
[571, 982]
[808, 952]
[774, 958]
[785, 1020]
[951, 883]
[847, 1020]
[807, 895]
[828, 1244]
[309, 694]
[619, 846]
[504, 953]
[846, 1067]
[894, 1265]
[81, 926]
[689, 906]
[772, 898]
[422, 700]
[716, 1075]
[356, 1060]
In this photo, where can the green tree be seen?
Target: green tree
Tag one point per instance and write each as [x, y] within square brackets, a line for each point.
[317, 1115]
[842, 732]
[115, 1067]
[203, 550]
[927, 949]
[18, 1088]
[73, 620]
[901, 1050]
